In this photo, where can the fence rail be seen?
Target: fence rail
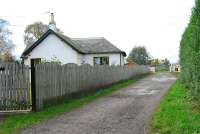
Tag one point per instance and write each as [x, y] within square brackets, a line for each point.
[14, 87]
[56, 83]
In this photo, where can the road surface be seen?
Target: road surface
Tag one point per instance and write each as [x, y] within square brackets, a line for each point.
[127, 111]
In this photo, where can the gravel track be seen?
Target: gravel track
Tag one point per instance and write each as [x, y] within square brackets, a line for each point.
[127, 111]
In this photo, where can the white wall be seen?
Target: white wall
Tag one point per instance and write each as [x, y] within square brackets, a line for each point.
[114, 59]
[52, 46]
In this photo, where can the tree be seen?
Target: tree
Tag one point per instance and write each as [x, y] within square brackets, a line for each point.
[34, 31]
[139, 55]
[166, 62]
[6, 44]
[155, 62]
[8, 57]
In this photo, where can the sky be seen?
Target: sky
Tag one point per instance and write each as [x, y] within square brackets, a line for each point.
[156, 24]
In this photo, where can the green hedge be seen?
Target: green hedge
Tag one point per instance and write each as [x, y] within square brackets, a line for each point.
[162, 68]
[190, 52]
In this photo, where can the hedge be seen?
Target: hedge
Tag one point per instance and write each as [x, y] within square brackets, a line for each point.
[190, 52]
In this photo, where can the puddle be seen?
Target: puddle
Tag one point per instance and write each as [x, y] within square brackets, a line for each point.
[163, 78]
[146, 92]
[143, 91]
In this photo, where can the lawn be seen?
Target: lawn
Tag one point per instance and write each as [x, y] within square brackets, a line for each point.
[16, 122]
[178, 113]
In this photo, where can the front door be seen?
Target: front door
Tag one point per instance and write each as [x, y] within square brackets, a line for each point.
[33, 90]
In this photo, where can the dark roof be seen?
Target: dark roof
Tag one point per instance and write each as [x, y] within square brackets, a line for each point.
[81, 45]
[96, 45]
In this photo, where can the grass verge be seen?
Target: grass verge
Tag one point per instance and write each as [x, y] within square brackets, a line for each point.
[15, 122]
[177, 113]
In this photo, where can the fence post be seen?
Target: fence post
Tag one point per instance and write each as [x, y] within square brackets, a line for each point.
[33, 89]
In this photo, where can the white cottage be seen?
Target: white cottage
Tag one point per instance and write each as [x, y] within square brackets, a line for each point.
[72, 50]
[68, 50]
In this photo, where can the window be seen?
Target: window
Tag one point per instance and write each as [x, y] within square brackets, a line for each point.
[101, 60]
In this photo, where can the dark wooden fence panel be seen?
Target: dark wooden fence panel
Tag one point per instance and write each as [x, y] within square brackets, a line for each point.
[14, 87]
[56, 83]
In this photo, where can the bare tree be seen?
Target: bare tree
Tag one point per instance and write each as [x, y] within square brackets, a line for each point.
[34, 31]
[6, 44]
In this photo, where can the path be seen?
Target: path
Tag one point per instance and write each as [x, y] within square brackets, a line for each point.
[127, 111]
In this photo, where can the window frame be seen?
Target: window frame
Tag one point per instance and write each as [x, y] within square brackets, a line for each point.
[101, 60]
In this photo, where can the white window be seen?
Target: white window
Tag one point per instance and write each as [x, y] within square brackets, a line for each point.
[101, 60]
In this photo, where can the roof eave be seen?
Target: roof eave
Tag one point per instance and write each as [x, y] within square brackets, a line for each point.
[25, 53]
[112, 52]
[124, 53]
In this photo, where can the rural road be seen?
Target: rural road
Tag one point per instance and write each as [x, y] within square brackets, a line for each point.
[127, 111]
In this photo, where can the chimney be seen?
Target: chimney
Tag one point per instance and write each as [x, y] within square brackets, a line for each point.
[52, 23]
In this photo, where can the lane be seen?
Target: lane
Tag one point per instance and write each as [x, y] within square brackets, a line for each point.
[126, 111]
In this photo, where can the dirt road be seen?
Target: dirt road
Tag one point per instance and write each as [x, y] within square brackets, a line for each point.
[126, 111]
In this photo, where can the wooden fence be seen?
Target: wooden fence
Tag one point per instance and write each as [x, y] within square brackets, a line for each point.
[14, 87]
[55, 83]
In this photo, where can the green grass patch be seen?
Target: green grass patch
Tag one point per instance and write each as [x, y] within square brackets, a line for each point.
[176, 74]
[177, 113]
[16, 122]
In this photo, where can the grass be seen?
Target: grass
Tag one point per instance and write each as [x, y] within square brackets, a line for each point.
[176, 74]
[16, 122]
[177, 114]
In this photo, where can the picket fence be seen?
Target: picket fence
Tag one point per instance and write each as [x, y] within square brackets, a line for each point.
[55, 83]
[14, 87]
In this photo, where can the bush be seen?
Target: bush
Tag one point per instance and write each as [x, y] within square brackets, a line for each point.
[162, 68]
[190, 53]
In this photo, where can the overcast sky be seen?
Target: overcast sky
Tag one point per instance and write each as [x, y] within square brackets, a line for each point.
[156, 24]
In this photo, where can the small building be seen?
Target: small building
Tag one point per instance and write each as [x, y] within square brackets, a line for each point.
[174, 68]
[54, 45]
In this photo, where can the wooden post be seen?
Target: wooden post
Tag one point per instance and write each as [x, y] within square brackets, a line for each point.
[33, 89]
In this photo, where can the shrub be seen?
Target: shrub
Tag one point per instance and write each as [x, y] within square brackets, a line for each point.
[190, 52]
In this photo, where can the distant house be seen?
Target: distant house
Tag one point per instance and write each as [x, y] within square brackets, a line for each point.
[93, 51]
[174, 68]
